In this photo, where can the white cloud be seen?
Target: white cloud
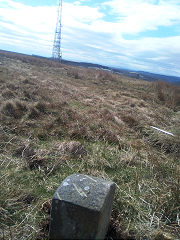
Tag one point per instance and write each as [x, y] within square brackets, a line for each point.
[142, 15]
[88, 36]
[26, 17]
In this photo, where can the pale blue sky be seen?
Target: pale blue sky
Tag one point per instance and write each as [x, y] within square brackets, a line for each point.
[133, 34]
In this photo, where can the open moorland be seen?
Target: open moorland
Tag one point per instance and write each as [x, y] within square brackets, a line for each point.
[56, 120]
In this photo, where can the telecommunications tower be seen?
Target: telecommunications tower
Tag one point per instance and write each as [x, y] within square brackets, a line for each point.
[56, 52]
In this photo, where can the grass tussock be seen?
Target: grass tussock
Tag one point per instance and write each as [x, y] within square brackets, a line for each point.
[15, 109]
[73, 72]
[130, 120]
[66, 120]
[168, 94]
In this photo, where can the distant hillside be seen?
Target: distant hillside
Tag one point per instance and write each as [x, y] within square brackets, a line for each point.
[130, 73]
[153, 76]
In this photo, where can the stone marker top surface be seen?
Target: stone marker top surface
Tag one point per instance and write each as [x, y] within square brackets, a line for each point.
[86, 191]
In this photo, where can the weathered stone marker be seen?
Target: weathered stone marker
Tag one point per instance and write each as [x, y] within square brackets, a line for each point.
[81, 208]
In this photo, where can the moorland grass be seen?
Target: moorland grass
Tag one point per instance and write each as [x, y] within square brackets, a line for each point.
[110, 115]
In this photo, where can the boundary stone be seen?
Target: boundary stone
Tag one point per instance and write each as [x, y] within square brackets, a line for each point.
[81, 208]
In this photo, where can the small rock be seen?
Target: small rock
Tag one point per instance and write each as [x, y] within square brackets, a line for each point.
[74, 148]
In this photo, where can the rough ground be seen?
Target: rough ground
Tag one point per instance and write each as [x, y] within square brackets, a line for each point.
[56, 120]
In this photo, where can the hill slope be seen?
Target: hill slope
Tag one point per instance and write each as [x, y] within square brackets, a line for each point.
[56, 120]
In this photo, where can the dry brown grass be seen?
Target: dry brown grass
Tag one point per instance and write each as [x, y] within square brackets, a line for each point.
[168, 94]
[15, 109]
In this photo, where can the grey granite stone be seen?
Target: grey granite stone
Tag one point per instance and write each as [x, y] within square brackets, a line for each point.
[81, 208]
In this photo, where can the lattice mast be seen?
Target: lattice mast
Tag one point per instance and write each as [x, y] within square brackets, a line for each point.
[56, 53]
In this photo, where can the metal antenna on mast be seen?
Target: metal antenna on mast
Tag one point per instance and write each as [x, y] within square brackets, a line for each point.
[56, 52]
